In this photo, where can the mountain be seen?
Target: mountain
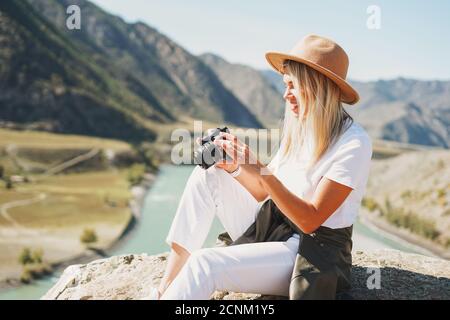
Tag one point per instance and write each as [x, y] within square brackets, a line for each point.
[117, 79]
[150, 63]
[404, 110]
[274, 78]
[251, 87]
[47, 82]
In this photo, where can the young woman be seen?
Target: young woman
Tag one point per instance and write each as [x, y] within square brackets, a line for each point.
[314, 186]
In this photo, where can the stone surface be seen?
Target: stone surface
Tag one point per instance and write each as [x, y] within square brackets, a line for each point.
[403, 276]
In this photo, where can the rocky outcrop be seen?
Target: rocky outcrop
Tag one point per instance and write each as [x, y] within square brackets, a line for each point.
[402, 276]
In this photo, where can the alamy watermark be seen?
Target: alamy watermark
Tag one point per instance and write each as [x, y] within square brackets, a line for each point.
[73, 21]
[374, 279]
[374, 19]
[262, 142]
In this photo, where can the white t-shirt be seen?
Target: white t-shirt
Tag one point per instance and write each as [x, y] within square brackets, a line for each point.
[346, 162]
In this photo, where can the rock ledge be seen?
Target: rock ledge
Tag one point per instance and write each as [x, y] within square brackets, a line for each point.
[403, 276]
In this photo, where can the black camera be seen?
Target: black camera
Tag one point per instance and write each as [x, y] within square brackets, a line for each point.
[208, 153]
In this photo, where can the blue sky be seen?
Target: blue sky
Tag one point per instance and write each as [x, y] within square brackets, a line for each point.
[414, 39]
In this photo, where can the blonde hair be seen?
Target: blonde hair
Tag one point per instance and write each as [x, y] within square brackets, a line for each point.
[321, 119]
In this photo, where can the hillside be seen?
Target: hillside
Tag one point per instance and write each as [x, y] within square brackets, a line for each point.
[252, 88]
[406, 110]
[48, 83]
[111, 79]
[150, 64]
[411, 192]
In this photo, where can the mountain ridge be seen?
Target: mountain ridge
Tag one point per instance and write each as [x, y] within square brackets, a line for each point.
[109, 79]
[114, 78]
[30, 48]
[252, 88]
[178, 80]
[404, 110]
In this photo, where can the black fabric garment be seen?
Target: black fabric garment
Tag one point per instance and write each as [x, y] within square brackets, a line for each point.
[323, 263]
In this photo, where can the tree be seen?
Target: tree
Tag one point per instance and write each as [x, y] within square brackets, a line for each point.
[9, 184]
[88, 236]
[136, 173]
[37, 256]
[25, 256]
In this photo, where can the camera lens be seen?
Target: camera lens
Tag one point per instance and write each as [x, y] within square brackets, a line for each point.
[208, 153]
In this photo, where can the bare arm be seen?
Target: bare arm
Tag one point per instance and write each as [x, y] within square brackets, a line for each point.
[307, 215]
[248, 180]
[253, 185]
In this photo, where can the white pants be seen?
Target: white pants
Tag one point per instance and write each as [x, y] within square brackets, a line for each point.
[264, 268]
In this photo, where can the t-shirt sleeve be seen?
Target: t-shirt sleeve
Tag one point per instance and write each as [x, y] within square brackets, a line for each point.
[351, 162]
[274, 163]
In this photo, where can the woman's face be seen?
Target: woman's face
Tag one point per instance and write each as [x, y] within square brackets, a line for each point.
[290, 94]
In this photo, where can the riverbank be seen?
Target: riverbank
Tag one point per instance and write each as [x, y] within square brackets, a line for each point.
[408, 196]
[417, 243]
[135, 204]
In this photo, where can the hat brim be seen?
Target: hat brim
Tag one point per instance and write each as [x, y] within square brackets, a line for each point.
[348, 94]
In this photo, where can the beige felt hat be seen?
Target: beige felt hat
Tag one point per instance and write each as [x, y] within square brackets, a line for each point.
[323, 55]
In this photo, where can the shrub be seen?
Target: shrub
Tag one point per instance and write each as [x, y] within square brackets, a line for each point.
[26, 276]
[88, 236]
[151, 155]
[370, 204]
[412, 222]
[34, 271]
[406, 194]
[37, 256]
[25, 256]
[447, 243]
[33, 264]
[136, 173]
[9, 184]
[441, 197]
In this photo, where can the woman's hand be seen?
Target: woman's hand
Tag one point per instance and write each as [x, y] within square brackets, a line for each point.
[228, 166]
[239, 153]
